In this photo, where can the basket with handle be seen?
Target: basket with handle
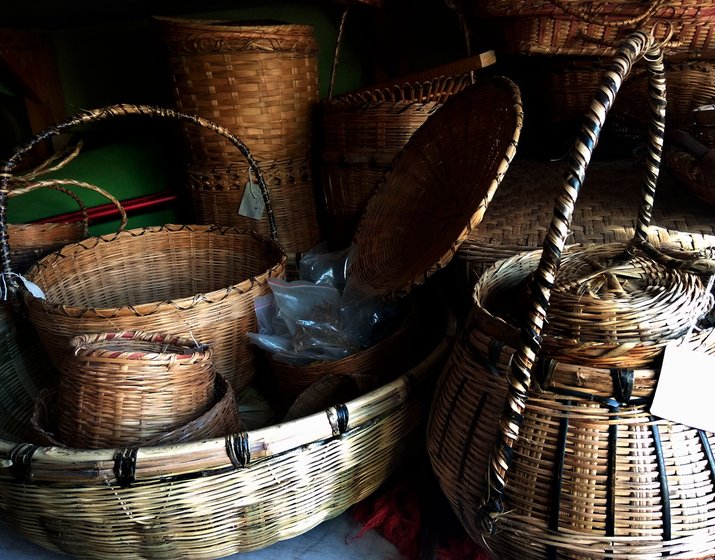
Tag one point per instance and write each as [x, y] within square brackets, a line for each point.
[362, 134]
[188, 280]
[30, 242]
[546, 459]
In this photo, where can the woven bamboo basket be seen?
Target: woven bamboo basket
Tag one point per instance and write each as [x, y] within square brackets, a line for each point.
[260, 81]
[438, 189]
[576, 27]
[209, 498]
[123, 388]
[30, 242]
[562, 86]
[220, 419]
[362, 134]
[550, 460]
[185, 280]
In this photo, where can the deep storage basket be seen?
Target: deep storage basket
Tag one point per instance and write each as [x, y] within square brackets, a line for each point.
[193, 281]
[260, 81]
[550, 460]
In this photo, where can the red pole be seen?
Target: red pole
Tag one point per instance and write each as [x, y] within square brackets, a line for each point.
[106, 212]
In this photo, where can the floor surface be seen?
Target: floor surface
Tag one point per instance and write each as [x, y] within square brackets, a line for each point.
[325, 542]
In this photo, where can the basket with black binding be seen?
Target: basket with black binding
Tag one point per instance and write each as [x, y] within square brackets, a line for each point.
[547, 457]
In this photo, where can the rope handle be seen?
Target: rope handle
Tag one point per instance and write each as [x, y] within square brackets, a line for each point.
[582, 12]
[638, 45]
[105, 113]
[61, 186]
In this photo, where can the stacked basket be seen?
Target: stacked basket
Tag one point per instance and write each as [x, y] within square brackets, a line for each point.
[246, 490]
[563, 47]
[541, 434]
[259, 81]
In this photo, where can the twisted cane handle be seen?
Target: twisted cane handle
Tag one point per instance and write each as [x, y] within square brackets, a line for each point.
[638, 45]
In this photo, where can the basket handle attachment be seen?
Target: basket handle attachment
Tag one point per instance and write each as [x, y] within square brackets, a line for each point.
[582, 12]
[639, 44]
[61, 186]
[104, 113]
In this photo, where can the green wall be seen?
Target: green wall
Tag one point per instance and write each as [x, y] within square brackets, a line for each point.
[109, 60]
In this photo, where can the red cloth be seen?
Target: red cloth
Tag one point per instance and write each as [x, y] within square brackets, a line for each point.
[411, 513]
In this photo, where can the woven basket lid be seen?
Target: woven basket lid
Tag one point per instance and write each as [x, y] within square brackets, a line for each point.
[437, 190]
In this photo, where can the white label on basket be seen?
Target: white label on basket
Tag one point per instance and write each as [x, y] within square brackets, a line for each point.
[33, 288]
[252, 204]
[685, 389]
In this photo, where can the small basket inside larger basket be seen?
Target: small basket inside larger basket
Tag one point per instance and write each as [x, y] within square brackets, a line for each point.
[194, 281]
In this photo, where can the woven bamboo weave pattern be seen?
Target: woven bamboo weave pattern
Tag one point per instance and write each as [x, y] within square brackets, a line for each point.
[362, 134]
[205, 499]
[575, 470]
[442, 182]
[259, 81]
[121, 389]
[567, 27]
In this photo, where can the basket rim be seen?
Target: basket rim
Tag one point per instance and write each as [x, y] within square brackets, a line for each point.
[231, 27]
[148, 308]
[210, 455]
[399, 284]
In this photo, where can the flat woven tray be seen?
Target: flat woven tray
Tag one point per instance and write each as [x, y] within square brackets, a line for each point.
[521, 210]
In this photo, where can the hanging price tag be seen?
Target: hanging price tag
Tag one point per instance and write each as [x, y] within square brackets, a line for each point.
[685, 389]
[252, 204]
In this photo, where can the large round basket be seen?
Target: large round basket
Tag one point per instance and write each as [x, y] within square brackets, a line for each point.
[193, 281]
[205, 499]
[547, 459]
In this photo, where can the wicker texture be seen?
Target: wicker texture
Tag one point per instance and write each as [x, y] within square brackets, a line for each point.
[519, 215]
[193, 281]
[575, 27]
[220, 419]
[442, 183]
[259, 81]
[207, 499]
[549, 465]
[122, 389]
[362, 134]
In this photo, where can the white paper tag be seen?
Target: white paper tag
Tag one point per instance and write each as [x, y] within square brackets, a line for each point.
[252, 204]
[685, 389]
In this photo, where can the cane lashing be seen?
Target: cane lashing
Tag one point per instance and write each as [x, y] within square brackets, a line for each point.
[105, 113]
[639, 45]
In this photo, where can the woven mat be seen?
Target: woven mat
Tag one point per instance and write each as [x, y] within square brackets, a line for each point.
[606, 210]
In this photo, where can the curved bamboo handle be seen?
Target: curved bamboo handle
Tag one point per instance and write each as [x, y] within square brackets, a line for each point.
[112, 111]
[583, 14]
[638, 45]
[60, 184]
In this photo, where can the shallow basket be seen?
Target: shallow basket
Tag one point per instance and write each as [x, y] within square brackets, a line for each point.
[30, 242]
[542, 459]
[206, 499]
[193, 281]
